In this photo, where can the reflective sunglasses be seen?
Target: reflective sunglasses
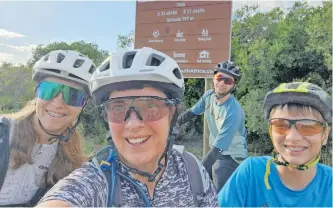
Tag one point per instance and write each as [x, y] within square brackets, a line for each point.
[226, 80]
[305, 127]
[47, 90]
[147, 108]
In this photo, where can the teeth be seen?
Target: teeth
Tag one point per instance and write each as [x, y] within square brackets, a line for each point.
[295, 149]
[57, 115]
[137, 140]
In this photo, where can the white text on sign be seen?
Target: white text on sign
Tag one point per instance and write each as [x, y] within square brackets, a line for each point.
[194, 11]
[180, 19]
[167, 13]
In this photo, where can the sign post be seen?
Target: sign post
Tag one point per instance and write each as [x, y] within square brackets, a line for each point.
[195, 33]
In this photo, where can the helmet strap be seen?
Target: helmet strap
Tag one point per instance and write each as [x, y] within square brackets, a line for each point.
[304, 166]
[167, 151]
[150, 177]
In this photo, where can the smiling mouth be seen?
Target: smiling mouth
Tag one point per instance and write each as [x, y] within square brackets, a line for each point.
[55, 115]
[137, 141]
[295, 149]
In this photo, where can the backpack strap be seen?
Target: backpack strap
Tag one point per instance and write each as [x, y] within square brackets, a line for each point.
[195, 175]
[4, 148]
[102, 155]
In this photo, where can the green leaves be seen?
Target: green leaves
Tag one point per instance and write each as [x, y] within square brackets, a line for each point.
[276, 47]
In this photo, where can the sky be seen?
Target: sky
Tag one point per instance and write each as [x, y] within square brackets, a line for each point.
[25, 24]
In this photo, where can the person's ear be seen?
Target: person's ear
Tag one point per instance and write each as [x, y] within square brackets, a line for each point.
[326, 135]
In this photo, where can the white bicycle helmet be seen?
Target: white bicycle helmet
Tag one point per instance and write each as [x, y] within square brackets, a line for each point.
[134, 69]
[68, 65]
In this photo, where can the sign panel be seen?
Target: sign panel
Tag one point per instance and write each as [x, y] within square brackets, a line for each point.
[195, 33]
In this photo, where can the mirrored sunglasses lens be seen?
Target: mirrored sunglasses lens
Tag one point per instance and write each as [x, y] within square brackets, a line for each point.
[71, 96]
[74, 97]
[228, 81]
[48, 90]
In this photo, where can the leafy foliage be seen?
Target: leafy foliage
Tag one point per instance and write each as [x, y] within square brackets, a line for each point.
[276, 47]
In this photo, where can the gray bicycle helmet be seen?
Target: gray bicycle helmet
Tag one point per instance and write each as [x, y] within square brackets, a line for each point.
[302, 93]
[228, 67]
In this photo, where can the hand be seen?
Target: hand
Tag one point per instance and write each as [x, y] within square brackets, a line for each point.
[211, 157]
[185, 117]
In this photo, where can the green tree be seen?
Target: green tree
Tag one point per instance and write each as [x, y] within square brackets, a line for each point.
[276, 47]
[15, 88]
[125, 41]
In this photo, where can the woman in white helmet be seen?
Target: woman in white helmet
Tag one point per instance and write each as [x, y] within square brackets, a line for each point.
[40, 144]
[139, 92]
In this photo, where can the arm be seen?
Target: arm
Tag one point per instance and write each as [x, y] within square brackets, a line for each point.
[223, 140]
[85, 187]
[235, 192]
[196, 110]
[185, 117]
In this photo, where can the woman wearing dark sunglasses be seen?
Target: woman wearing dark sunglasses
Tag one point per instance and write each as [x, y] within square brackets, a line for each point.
[43, 141]
[299, 117]
[139, 93]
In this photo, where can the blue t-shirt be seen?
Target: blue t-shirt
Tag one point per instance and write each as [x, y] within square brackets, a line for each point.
[246, 187]
[226, 123]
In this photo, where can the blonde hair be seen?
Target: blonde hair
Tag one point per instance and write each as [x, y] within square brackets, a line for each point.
[69, 156]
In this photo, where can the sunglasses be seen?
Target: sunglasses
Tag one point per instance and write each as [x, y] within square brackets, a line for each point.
[305, 127]
[48, 90]
[147, 108]
[226, 80]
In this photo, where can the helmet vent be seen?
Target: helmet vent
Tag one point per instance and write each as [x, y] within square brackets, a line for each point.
[53, 70]
[46, 57]
[107, 66]
[78, 63]
[293, 85]
[155, 60]
[92, 69]
[177, 73]
[128, 60]
[76, 77]
[60, 57]
[313, 87]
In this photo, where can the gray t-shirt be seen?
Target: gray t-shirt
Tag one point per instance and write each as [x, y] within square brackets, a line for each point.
[88, 187]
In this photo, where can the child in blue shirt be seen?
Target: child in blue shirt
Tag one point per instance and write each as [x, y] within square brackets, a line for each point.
[299, 117]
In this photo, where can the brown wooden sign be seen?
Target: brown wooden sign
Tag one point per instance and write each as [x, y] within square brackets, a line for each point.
[195, 33]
